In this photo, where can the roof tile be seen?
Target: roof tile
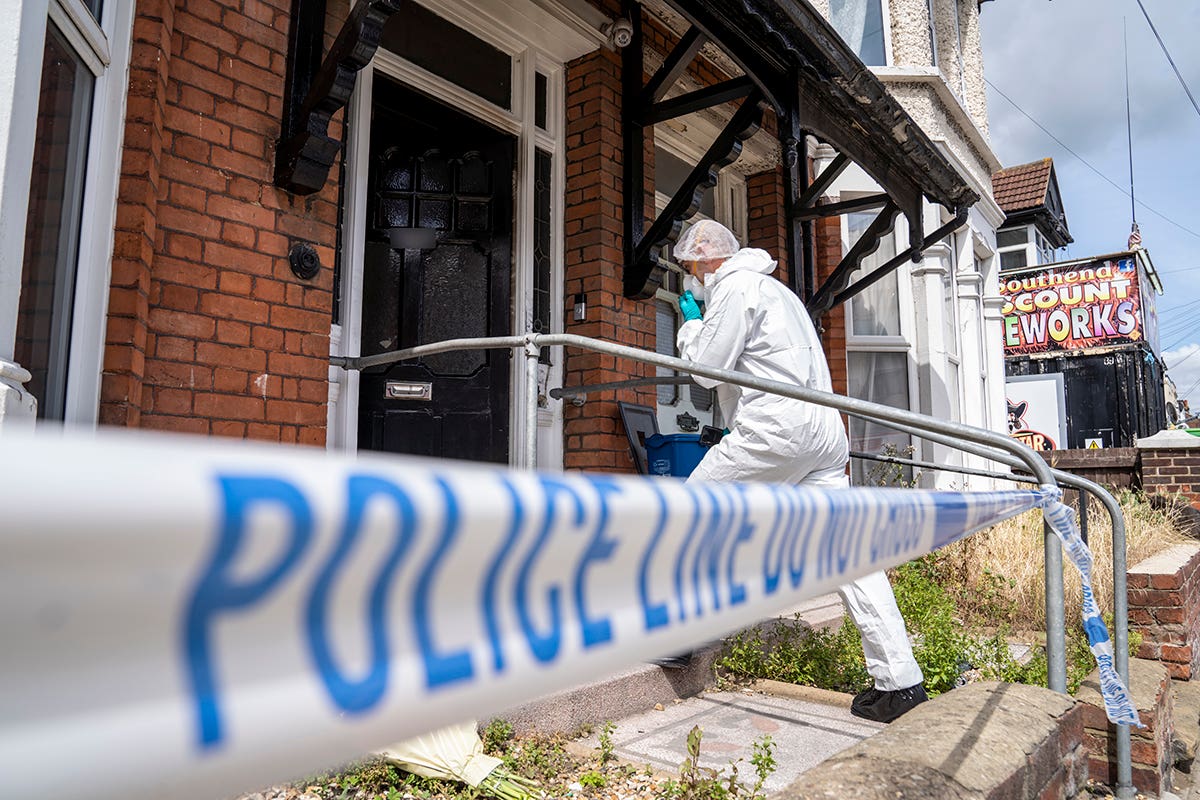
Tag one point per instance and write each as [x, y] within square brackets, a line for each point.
[1022, 187]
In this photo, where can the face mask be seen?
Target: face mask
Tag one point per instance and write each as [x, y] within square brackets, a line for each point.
[692, 284]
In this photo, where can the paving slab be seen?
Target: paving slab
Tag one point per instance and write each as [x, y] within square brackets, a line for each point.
[805, 733]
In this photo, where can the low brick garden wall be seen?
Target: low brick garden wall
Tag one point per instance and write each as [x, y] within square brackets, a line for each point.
[1152, 756]
[1164, 607]
[999, 741]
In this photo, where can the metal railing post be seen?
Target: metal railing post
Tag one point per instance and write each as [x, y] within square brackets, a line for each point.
[1124, 787]
[1056, 619]
[532, 354]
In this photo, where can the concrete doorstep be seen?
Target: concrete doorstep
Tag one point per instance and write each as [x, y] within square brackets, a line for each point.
[642, 687]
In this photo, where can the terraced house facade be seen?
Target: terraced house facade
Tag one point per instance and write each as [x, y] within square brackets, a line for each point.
[209, 206]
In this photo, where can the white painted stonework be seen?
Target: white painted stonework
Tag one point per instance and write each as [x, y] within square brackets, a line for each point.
[940, 84]
[1169, 440]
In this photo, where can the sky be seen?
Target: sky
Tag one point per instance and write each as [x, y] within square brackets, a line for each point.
[1062, 62]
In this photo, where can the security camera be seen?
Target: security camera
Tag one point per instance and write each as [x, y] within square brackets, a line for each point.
[620, 33]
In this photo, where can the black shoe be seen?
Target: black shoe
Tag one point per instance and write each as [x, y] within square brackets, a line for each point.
[681, 661]
[880, 706]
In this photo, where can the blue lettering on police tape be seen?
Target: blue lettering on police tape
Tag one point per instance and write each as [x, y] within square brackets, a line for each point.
[772, 572]
[902, 534]
[216, 591]
[595, 631]
[544, 646]
[805, 536]
[708, 551]
[680, 557]
[357, 696]
[840, 538]
[440, 668]
[745, 532]
[654, 614]
[799, 535]
[951, 519]
[492, 577]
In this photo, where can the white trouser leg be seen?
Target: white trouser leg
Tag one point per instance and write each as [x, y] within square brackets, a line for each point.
[872, 606]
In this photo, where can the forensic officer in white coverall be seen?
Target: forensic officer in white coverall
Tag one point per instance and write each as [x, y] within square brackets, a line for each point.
[752, 323]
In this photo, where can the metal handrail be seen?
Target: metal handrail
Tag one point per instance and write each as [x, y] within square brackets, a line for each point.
[988, 444]
[1124, 787]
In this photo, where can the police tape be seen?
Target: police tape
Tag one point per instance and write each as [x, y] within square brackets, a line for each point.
[193, 618]
[1118, 703]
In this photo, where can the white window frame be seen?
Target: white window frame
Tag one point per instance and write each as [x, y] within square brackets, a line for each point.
[1033, 255]
[533, 49]
[903, 342]
[731, 208]
[104, 47]
[885, 14]
[958, 41]
[933, 44]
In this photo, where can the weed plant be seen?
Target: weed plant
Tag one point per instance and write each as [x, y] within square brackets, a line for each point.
[704, 783]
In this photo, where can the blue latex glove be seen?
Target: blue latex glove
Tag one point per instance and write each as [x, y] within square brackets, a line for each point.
[689, 307]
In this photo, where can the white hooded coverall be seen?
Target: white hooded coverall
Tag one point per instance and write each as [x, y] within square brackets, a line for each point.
[753, 324]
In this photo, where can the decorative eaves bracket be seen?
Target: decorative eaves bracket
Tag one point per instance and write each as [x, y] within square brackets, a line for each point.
[642, 107]
[317, 88]
[817, 87]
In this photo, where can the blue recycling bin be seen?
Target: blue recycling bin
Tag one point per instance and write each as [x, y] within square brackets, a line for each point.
[674, 454]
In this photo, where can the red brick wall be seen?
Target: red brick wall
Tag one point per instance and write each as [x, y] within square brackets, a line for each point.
[1164, 607]
[1150, 749]
[137, 215]
[209, 330]
[594, 437]
[828, 235]
[767, 226]
[1172, 471]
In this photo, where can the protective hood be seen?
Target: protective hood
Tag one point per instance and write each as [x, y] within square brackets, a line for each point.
[748, 259]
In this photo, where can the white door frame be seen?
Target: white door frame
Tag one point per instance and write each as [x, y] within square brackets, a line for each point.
[539, 40]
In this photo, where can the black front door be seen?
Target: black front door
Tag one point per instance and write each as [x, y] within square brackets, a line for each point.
[438, 266]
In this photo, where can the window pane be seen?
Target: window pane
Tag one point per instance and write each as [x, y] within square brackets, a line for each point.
[664, 344]
[1014, 259]
[425, 39]
[1012, 238]
[860, 23]
[948, 311]
[542, 259]
[880, 378]
[876, 310]
[952, 390]
[52, 227]
[670, 172]
[539, 101]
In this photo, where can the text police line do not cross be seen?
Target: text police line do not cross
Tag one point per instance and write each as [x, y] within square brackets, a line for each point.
[704, 548]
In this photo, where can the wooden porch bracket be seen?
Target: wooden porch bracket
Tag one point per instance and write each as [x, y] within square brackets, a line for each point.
[317, 88]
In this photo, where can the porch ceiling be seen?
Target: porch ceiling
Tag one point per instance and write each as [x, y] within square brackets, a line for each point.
[819, 87]
[786, 45]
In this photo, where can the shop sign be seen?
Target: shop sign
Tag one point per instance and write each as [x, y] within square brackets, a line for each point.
[1092, 305]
